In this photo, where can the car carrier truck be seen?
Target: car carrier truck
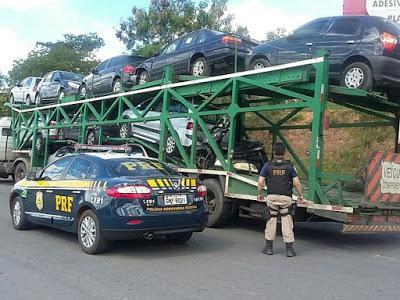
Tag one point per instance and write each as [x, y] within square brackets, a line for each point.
[273, 96]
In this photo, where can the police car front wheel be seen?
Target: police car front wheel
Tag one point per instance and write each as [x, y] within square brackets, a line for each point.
[90, 236]
[18, 214]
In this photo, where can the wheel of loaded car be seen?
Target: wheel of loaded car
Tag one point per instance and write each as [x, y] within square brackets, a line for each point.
[219, 209]
[61, 95]
[28, 100]
[357, 75]
[117, 86]
[125, 131]
[92, 137]
[37, 99]
[200, 67]
[83, 91]
[40, 143]
[170, 145]
[259, 63]
[143, 77]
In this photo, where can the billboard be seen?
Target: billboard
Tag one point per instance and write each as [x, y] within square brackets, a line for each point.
[389, 9]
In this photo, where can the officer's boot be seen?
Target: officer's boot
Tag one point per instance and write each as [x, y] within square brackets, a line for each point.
[289, 250]
[268, 248]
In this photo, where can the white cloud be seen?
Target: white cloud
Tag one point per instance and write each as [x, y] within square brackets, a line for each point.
[12, 49]
[259, 18]
[113, 46]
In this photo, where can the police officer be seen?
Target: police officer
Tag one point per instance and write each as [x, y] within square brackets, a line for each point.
[279, 175]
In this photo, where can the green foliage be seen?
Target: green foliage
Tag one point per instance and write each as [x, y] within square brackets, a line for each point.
[166, 20]
[75, 53]
[4, 111]
[276, 34]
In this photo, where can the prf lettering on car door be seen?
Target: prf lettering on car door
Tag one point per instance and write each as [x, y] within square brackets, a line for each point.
[64, 203]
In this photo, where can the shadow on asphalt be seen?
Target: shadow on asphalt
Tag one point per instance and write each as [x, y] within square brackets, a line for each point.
[326, 234]
[156, 248]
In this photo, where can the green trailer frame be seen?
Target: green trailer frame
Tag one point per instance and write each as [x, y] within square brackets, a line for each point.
[287, 89]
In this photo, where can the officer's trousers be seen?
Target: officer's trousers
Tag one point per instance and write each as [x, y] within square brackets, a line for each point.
[279, 204]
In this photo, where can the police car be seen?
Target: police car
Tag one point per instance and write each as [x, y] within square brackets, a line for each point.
[110, 196]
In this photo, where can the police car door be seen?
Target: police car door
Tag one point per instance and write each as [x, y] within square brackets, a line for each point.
[41, 196]
[71, 191]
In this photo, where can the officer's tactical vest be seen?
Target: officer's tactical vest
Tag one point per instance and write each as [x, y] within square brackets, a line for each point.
[279, 180]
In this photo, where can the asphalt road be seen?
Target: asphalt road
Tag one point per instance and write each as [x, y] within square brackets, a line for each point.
[225, 263]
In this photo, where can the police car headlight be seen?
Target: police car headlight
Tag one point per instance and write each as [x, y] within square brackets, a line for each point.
[73, 85]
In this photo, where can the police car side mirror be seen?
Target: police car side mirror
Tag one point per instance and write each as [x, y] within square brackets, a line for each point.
[31, 176]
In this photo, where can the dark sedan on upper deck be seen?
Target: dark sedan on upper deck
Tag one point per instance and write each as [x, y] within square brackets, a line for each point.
[201, 53]
[110, 196]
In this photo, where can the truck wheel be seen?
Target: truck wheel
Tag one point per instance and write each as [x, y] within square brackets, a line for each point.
[19, 171]
[91, 239]
[18, 216]
[179, 238]
[219, 208]
[357, 75]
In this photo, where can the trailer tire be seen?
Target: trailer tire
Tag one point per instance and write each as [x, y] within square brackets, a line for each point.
[19, 171]
[219, 208]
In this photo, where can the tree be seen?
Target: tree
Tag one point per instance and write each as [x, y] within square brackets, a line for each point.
[146, 31]
[75, 53]
[276, 34]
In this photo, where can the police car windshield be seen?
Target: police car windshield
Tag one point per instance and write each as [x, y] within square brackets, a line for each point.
[138, 167]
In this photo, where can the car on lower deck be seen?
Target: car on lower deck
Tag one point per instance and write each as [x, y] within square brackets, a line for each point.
[364, 50]
[110, 196]
[150, 131]
[201, 53]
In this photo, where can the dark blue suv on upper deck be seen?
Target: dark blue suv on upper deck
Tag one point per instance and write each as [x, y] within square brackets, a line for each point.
[364, 51]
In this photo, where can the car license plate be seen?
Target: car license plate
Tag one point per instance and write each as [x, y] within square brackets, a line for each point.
[175, 199]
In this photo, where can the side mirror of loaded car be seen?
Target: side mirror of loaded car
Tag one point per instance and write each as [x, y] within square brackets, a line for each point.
[94, 71]
[31, 176]
[19, 84]
[56, 79]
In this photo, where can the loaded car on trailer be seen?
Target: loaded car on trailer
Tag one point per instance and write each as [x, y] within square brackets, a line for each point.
[110, 76]
[364, 51]
[200, 53]
[24, 92]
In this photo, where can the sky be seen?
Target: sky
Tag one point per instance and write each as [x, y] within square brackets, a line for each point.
[24, 22]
